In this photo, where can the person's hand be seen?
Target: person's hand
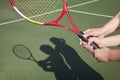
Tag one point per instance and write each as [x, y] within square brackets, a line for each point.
[102, 54]
[95, 32]
[98, 41]
[86, 46]
[95, 35]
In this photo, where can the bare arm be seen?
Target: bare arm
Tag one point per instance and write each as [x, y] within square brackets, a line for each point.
[105, 54]
[108, 28]
[111, 41]
[107, 41]
[115, 55]
[112, 25]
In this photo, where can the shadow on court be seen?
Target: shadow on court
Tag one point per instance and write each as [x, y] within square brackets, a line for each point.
[66, 64]
[63, 60]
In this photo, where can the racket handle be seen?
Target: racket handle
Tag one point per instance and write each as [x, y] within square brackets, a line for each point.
[81, 36]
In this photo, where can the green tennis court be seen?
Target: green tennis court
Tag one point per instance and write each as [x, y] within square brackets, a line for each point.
[73, 62]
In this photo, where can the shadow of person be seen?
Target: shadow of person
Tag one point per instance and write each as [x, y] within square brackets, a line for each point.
[55, 63]
[81, 70]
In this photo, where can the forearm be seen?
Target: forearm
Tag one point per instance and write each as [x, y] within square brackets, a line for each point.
[114, 55]
[112, 25]
[111, 41]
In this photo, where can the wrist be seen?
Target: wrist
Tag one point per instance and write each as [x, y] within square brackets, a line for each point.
[114, 55]
[107, 31]
[109, 55]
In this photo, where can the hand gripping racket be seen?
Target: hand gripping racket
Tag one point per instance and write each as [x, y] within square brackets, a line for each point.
[47, 12]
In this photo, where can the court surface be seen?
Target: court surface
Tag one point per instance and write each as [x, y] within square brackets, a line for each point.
[73, 60]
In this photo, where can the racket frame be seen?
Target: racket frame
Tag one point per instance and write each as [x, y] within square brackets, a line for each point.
[75, 30]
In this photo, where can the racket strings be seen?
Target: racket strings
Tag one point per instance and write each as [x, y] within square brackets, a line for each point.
[49, 12]
[54, 11]
[40, 10]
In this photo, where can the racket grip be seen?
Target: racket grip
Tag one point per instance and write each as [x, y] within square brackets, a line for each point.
[85, 39]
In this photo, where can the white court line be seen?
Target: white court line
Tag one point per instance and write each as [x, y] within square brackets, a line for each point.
[88, 13]
[56, 10]
[83, 3]
[9, 22]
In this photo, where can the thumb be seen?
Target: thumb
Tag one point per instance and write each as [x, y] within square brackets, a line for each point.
[95, 40]
[89, 32]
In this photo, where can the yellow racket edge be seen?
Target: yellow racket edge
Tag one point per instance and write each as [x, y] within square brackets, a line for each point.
[33, 21]
[30, 20]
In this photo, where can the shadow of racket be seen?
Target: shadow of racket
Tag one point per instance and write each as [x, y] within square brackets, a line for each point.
[23, 52]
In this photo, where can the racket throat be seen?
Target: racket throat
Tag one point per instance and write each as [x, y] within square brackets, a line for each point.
[56, 25]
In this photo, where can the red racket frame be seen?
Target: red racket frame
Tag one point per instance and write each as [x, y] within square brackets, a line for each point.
[74, 29]
[64, 11]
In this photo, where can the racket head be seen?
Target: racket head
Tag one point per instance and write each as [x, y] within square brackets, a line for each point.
[38, 11]
[47, 12]
[22, 51]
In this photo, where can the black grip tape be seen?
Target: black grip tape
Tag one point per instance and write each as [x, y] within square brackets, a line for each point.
[85, 39]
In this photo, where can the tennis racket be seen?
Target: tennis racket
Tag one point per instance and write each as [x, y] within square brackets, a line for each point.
[23, 52]
[47, 12]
